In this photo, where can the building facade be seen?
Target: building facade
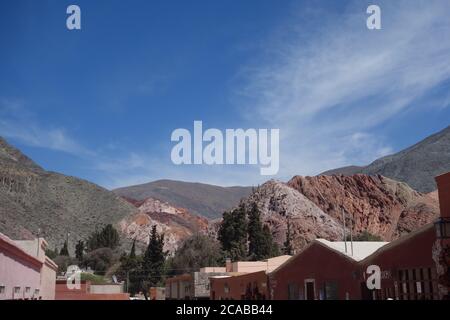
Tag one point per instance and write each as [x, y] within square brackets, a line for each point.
[25, 271]
[323, 270]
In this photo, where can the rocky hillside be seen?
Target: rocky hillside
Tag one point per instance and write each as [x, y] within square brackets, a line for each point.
[36, 202]
[202, 199]
[313, 206]
[177, 224]
[416, 165]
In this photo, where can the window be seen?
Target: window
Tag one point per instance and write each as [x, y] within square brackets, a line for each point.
[331, 291]
[16, 290]
[36, 292]
[27, 290]
[293, 291]
[2, 289]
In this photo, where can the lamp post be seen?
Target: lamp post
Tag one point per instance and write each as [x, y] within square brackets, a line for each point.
[442, 227]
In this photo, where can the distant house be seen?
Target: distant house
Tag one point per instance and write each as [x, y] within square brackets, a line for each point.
[25, 271]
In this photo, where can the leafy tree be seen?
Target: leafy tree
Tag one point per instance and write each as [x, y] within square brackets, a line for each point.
[255, 234]
[79, 250]
[287, 245]
[154, 259]
[52, 254]
[232, 233]
[108, 237]
[196, 252]
[99, 260]
[64, 250]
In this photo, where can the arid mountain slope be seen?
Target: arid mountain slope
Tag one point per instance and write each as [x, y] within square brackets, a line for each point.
[202, 199]
[416, 165]
[380, 205]
[36, 202]
[313, 206]
[177, 224]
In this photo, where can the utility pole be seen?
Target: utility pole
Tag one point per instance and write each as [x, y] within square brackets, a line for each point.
[343, 221]
[351, 234]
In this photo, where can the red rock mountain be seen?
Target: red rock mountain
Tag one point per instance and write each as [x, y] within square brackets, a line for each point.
[313, 206]
[177, 224]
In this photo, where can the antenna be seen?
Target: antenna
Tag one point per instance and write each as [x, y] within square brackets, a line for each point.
[351, 234]
[343, 220]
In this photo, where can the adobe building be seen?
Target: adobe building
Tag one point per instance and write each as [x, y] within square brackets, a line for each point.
[407, 268]
[246, 280]
[441, 248]
[25, 271]
[197, 285]
[89, 291]
[247, 286]
[323, 270]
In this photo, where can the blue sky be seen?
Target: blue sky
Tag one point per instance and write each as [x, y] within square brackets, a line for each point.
[101, 103]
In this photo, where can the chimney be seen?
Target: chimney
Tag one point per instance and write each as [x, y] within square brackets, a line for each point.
[228, 266]
[443, 183]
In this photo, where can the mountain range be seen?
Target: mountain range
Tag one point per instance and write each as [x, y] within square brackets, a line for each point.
[416, 165]
[202, 199]
[389, 197]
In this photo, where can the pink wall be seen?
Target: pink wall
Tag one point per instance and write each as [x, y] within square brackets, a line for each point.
[16, 270]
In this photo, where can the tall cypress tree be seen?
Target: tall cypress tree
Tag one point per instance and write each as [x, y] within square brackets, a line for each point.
[233, 233]
[255, 234]
[64, 250]
[154, 258]
[79, 250]
[269, 246]
[133, 250]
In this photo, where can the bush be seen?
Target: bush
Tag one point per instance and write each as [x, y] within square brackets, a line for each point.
[99, 260]
[94, 279]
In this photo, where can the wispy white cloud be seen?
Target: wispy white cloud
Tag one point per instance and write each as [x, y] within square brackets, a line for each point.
[329, 89]
[17, 122]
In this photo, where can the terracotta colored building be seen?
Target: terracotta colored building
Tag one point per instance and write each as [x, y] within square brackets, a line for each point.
[248, 286]
[87, 291]
[441, 248]
[408, 271]
[324, 270]
[25, 271]
[246, 280]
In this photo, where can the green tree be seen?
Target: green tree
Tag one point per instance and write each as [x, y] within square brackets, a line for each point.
[99, 260]
[52, 254]
[108, 237]
[255, 234]
[64, 250]
[154, 260]
[269, 247]
[133, 250]
[232, 233]
[287, 245]
[79, 250]
[196, 252]
[131, 270]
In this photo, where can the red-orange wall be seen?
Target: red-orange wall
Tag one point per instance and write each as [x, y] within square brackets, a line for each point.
[443, 183]
[321, 264]
[238, 286]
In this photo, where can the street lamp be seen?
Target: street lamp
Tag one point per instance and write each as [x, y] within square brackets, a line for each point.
[442, 226]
